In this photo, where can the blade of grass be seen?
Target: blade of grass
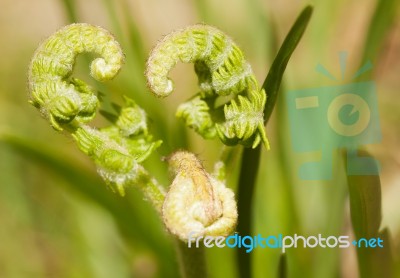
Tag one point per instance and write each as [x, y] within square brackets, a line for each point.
[382, 18]
[365, 204]
[251, 157]
[376, 262]
[365, 211]
[275, 74]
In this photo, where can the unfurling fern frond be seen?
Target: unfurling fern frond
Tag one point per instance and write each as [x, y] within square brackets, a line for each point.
[221, 70]
[61, 100]
[69, 104]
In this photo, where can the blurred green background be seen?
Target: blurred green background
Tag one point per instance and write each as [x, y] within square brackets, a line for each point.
[57, 219]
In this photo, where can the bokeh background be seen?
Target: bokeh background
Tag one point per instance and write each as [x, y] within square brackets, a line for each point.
[57, 219]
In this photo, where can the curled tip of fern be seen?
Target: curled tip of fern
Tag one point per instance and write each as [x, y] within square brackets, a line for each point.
[69, 103]
[222, 71]
[62, 101]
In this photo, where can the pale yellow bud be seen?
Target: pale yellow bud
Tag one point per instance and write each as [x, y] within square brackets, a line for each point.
[196, 201]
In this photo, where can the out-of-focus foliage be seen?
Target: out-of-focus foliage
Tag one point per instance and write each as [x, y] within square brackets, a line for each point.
[58, 220]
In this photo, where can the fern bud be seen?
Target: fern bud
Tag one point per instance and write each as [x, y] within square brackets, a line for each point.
[196, 201]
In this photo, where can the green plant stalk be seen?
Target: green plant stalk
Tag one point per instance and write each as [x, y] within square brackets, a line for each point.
[282, 272]
[150, 188]
[251, 157]
[191, 261]
[247, 182]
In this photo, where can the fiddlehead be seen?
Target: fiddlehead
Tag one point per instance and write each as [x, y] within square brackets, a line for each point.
[221, 70]
[69, 103]
[197, 202]
[59, 98]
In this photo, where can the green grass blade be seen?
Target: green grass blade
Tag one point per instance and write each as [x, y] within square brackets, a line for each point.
[275, 74]
[251, 157]
[365, 211]
[382, 19]
[365, 204]
[376, 262]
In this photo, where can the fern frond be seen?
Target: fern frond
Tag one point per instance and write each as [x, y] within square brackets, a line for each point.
[244, 121]
[196, 114]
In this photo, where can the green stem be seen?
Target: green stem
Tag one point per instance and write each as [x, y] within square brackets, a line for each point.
[251, 157]
[282, 272]
[191, 260]
[247, 183]
[152, 191]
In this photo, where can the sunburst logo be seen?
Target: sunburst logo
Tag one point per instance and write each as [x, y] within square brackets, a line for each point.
[343, 116]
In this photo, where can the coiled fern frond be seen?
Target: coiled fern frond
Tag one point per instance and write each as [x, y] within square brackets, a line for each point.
[222, 71]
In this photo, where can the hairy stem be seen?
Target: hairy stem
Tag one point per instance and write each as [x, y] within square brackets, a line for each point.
[152, 191]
